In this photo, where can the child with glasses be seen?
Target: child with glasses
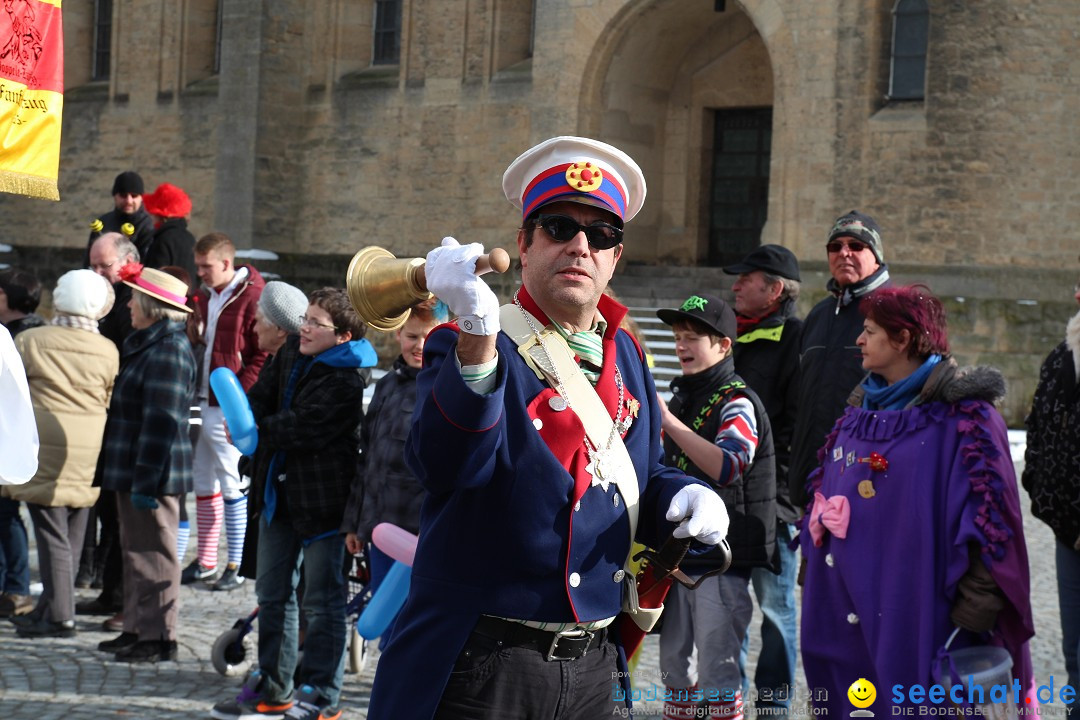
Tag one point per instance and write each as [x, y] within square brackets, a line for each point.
[308, 408]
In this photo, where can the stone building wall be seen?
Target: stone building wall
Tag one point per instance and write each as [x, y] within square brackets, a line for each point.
[300, 145]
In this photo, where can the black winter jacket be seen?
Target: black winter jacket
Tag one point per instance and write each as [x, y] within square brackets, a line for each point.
[32, 320]
[1052, 461]
[319, 434]
[172, 244]
[385, 489]
[751, 498]
[116, 325]
[113, 220]
[767, 358]
[830, 367]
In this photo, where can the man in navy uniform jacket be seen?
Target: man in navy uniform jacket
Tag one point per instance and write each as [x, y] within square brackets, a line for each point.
[519, 572]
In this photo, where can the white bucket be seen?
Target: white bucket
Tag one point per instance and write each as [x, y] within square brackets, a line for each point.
[986, 666]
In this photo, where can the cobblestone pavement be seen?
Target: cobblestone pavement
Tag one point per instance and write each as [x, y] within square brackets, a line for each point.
[68, 678]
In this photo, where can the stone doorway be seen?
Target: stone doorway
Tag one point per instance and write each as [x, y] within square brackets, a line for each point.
[657, 82]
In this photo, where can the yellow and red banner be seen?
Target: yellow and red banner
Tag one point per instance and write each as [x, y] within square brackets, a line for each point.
[31, 96]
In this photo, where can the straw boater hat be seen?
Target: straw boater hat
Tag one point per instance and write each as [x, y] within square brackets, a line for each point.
[575, 169]
[158, 285]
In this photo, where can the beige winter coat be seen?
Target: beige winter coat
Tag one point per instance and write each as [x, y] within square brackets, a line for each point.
[71, 374]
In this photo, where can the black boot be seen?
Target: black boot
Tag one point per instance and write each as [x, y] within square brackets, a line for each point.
[47, 628]
[122, 642]
[148, 651]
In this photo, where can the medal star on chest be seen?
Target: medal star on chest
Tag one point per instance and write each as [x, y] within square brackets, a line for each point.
[602, 467]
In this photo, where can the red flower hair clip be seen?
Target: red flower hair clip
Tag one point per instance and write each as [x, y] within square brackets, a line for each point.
[130, 272]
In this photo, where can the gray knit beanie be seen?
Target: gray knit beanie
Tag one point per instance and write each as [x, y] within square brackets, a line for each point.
[283, 304]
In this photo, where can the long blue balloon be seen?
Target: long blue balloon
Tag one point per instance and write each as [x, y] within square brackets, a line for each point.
[236, 409]
[386, 602]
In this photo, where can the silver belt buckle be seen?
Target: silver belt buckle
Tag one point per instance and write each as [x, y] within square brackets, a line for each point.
[585, 635]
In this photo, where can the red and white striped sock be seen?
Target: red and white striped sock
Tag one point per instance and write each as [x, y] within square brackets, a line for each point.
[727, 709]
[210, 512]
[678, 703]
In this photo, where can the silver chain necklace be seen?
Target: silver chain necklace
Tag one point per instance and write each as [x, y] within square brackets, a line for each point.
[602, 465]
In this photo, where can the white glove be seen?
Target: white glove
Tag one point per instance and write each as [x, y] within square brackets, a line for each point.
[451, 277]
[702, 513]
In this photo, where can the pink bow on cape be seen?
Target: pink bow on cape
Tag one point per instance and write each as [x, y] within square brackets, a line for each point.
[832, 514]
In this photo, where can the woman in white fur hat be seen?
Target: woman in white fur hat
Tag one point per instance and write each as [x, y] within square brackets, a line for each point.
[70, 368]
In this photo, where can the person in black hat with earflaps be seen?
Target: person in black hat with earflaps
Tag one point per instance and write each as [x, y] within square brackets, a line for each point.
[830, 364]
[717, 430]
[767, 358]
[128, 210]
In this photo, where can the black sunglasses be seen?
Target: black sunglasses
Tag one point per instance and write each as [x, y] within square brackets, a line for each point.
[563, 228]
[854, 245]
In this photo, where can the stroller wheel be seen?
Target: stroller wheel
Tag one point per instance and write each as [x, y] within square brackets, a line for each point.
[357, 650]
[233, 652]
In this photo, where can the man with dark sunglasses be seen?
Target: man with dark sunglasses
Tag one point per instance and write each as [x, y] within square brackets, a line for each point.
[524, 538]
[830, 362]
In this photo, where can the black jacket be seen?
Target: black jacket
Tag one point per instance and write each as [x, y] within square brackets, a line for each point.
[117, 324]
[113, 220]
[319, 433]
[767, 358]
[830, 367]
[1052, 461]
[751, 498]
[172, 244]
[385, 489]
[32, 320]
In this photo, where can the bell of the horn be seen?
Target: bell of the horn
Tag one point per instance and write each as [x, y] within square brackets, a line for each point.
[382, 287]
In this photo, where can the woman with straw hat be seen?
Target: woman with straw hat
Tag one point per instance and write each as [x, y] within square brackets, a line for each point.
[146, 460]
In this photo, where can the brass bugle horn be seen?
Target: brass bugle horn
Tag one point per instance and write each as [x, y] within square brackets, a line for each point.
[382, 287]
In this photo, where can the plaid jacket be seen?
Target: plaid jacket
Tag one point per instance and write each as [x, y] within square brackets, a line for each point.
[319, 434]
[147, 449]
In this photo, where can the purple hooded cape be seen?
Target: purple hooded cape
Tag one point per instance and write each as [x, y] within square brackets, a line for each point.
[875, 604]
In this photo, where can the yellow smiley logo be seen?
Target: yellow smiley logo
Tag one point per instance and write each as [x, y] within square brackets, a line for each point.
[862, 693]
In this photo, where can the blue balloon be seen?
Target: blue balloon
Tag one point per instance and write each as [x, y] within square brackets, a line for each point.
[385, 604]
[236, 409]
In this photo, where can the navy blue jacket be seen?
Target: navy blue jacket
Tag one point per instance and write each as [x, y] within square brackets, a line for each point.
[511, 517]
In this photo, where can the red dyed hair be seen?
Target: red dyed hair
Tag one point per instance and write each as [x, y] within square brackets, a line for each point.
[913, 308]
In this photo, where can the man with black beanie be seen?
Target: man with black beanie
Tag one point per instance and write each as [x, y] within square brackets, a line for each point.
[830, 362]
[128, 210]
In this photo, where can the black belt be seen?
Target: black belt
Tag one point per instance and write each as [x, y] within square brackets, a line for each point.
[554, 645]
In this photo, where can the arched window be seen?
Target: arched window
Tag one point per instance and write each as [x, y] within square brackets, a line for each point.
[911, 31]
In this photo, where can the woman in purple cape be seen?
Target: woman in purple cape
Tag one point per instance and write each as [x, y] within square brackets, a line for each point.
[914, 525]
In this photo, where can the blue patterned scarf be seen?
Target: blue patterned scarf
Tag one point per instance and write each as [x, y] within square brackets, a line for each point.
[882, 396]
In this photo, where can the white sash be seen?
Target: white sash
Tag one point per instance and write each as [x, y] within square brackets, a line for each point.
[581, 396]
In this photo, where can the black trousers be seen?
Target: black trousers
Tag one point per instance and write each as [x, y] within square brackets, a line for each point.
[494, 681]
[108, 550]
